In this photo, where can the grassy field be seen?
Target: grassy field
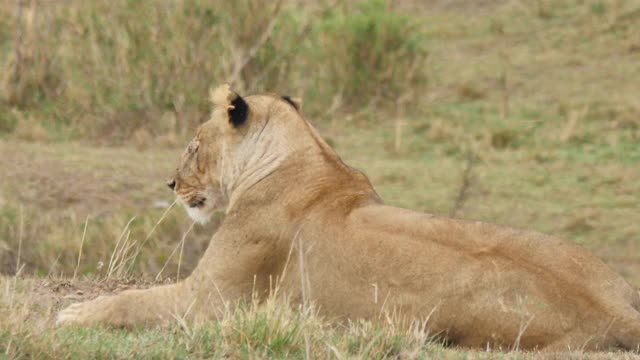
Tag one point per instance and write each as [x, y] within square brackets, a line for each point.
[522, 113]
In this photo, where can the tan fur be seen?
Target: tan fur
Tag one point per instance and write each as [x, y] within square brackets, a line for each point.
[287, 193]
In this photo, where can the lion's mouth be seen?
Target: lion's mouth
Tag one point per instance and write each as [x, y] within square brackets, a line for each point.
[197, 203]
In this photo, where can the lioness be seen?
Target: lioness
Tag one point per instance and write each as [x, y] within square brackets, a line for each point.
[292, 204]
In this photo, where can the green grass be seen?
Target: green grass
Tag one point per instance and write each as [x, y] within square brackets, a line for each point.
[270, 330]
[274, 330]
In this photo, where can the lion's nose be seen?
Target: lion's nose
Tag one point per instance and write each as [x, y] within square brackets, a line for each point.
[171, 184]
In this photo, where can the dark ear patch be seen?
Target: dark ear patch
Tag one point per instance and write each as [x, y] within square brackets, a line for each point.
[290, 101]
[238, 114]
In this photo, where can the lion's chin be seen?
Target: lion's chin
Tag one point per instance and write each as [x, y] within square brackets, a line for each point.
[199, 215]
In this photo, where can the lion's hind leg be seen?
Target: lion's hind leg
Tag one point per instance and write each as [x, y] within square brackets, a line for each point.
[627, 331]
[615, 333]
[579, 340]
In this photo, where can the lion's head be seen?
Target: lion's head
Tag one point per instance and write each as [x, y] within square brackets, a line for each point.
[234, 149]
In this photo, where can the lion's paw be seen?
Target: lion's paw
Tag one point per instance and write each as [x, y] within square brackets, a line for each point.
[82, 313]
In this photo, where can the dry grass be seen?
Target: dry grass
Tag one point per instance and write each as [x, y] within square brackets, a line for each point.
[57, 193]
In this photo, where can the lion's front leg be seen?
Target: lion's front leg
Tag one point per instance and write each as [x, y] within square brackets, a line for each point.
[227, 272]
[155, 306]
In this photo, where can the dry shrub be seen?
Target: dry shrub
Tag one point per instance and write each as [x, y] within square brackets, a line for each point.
[263, 39]
[104, 69]
[124, 63]
[373, 52]
[31, 70]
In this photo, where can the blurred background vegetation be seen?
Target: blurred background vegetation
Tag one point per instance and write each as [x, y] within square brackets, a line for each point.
[104, 70]
[525, 113]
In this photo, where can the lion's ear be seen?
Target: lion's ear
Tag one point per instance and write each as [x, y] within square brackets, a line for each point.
[237, 108]
[238, 111]
[296, 102]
